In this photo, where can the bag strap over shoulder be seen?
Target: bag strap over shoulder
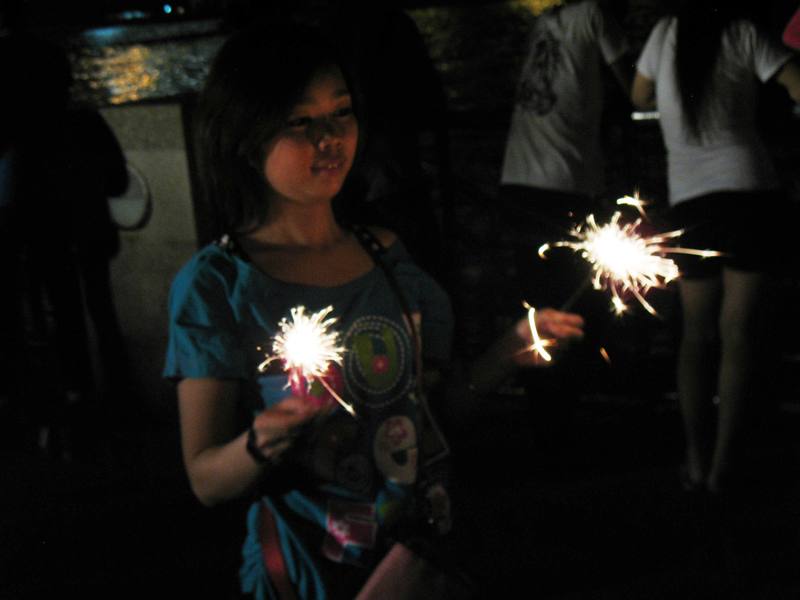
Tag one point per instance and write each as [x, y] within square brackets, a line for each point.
[433, 442]
[377, 251]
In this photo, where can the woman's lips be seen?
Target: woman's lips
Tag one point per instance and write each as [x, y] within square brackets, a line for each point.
[328, 166]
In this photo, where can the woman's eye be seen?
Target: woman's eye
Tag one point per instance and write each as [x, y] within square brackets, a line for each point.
[346, 111]
[298, 122]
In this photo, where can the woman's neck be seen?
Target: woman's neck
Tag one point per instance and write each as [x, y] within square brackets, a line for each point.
[299, 227]
[305, 245]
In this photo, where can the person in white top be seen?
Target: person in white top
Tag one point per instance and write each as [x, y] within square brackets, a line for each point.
[552, 172]
[553, 176]
[701, 68]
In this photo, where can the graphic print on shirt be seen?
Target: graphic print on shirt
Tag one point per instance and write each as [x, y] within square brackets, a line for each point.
[535, 89]
[395, 449]
[350, 526]
[377, 367]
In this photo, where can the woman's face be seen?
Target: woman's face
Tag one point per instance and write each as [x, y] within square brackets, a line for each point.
[308, 160]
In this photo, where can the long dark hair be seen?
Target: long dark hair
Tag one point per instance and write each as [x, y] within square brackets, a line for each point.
[701, 25]
[256, 78]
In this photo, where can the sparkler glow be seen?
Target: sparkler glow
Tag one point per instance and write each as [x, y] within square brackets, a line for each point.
[623, 260]
[538, 345]
[307, 346]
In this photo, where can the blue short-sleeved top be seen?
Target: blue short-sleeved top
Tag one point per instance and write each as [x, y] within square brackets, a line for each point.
[345, 485]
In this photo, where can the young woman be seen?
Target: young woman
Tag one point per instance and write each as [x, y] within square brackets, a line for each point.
[701, 68]
[277, 136]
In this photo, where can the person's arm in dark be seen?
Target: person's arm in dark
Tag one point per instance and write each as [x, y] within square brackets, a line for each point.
[643, 92]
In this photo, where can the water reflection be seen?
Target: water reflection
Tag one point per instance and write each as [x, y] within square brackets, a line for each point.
[116, 65]
[120, 73]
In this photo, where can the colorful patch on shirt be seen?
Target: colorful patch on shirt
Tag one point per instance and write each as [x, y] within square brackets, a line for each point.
[350, 527]
[395, 449]
[377, 364]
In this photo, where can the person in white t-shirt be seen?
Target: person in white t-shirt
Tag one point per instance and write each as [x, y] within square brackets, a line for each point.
[553, 176]
[702, 68]
[552, 172]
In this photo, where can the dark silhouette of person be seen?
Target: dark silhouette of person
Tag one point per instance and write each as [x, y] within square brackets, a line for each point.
[60, 164]
[94, 170]
[35, 82]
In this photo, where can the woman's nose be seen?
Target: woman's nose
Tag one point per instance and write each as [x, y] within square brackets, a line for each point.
[324, 132]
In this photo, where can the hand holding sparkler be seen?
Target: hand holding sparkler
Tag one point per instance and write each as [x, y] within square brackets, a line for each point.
[543, 329]
[276, 428]
[524, 345]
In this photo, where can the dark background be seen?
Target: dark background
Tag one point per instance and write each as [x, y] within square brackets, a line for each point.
[596, 514]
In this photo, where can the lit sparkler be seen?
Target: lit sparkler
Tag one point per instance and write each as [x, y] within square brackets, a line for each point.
[307, 346]
[538, 345]
[623, 260]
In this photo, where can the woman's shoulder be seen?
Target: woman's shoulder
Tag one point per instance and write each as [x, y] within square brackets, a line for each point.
[210, 266]
[664, 25]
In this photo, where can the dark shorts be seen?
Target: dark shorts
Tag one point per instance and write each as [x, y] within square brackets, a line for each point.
[748, 227]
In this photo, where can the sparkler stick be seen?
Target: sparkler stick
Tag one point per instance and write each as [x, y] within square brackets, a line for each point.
[575, 295]
[307, 347]
[624, 261]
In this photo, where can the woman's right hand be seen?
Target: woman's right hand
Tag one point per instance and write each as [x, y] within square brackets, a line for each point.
[215, 447]
[277, 427]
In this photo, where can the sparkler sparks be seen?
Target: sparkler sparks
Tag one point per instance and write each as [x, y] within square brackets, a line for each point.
[633, 201]
[623, 260]
[307, 346]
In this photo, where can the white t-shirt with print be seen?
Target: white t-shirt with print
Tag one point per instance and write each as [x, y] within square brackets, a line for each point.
[554, 138]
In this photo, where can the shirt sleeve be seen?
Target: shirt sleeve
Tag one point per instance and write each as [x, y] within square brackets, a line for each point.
[650, 57]
[203, 340]
[764, 56]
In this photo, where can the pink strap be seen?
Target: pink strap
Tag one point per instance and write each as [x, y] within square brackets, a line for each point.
[273, 556]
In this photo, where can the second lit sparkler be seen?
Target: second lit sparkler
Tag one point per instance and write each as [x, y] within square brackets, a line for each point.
[624, 260]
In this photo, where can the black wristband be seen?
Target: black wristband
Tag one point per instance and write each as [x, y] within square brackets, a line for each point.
[252, 448]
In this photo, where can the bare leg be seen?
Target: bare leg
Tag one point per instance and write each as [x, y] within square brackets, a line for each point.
[696, 373]
[738, 332]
